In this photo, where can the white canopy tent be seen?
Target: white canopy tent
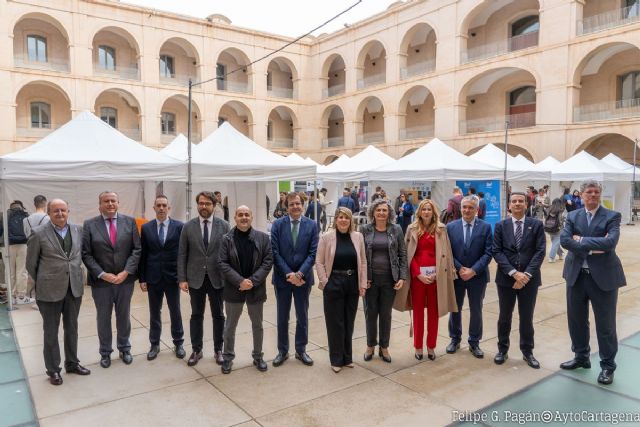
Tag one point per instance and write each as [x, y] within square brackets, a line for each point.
[615, 161]
[518, 168]
[178, 148]
[356, 167]
[298, 160]
[547, 164]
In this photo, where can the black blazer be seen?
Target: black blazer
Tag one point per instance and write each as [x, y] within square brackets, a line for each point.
[527, 259]
[478, 255]
[159, 262]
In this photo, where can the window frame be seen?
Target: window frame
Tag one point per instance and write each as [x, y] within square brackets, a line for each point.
[38, 39]
[43, 107]
[104, 114]
[166, 119]
[103, 62]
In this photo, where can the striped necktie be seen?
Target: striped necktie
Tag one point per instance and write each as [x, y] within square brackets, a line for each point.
[518, 234]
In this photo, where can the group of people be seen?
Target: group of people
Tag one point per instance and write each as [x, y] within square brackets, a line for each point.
[432, 267]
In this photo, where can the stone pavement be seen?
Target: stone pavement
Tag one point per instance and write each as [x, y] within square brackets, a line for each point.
[404, 393]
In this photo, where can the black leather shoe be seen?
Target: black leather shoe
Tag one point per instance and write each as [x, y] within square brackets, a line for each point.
[126, 357]
[419, 356]
[105, 361]
[226, 366]
[280, 358]
[78, 370]
[383, 357]
[153, 352]
[55, 378]
[453, 347]
[531, 361]
[605, 377]
[193, 359]
[500, 358]
[304, 358]
[260, 364]
[180, 353]
[218, 357]
[572, 364]
[476, 351]
[431, 354]
[368, 356]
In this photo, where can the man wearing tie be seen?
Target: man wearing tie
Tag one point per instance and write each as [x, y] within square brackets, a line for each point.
[160, 239]
[294, 240]
[471, 243]
[54, 262]
[111, 253]
[593, 273]
[519, 246]
[199, 273]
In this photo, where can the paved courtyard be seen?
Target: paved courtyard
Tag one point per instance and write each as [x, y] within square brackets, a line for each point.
[404, 393]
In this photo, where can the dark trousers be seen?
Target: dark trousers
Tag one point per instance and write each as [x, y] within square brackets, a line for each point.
[378, 303]
[107, 299]
[198, 302]
[340, 297]
[604, 304]
[69, 308]
[156, 293]
[475, 292]
[234, 310]
[300, 296]
[526, 298]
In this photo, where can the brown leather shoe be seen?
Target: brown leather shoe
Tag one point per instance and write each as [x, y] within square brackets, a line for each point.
[55, 378]
[78, 370]
[218, 357]
[193, 359]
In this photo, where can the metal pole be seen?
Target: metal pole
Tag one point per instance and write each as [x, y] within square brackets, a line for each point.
[189, 153]
[6, 257]
[633, 182]
[506, 157]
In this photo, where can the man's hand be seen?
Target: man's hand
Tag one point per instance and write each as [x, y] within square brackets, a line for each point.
[576, 237]
[521, 277]
[246, 285]
[295, 279]
[518, 285]
[143, 286]
[362, 291]
[109, 278]
[368, 284]
[184, 286]
[121, 277]
[399, 284]
[466, 273]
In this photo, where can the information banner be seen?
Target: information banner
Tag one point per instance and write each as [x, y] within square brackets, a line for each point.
[491, 190]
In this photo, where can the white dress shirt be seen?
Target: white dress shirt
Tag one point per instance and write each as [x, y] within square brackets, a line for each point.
[209, 224]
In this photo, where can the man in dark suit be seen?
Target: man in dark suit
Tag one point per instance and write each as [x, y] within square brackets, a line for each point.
[111, 252]
[160, 239]
[593, 273]
[294, 240]
[54, 262]
[471, 243]
[519, 245]
[199, 273]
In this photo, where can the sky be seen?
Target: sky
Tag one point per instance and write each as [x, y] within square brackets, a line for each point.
[285, 17]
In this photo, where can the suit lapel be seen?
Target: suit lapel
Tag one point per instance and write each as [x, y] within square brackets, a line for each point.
[120, 230]
[170, 230]
[288, 233]
[198, 229]
[154, 231]
[599, 216]
[509, 236]
[76, 239]
[102, 229]
[51, 235]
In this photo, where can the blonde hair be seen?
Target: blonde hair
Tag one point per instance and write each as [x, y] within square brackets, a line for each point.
[346, 212]
[419, 224]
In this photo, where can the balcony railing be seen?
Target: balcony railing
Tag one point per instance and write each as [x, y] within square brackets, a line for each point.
[417, 69]
[52, 64]
[334, 141]
[334, 90]
[607, 110]
[31, 132]
[280, 92]
[501, 47]
[177, 79]
[135, 134]
[416, 132]
[492, 124]
[237, 87]
[282, 143]
[610, 19]
[369, 138]
[373, 80]
[126, 73]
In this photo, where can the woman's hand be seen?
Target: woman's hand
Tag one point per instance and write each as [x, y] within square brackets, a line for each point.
[399, 284]
[362, 291]
[368, 284]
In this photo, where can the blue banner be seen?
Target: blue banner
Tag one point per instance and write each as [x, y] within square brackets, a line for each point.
[491, 190]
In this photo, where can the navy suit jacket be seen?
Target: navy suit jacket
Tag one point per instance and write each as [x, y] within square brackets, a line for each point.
[158, 262]
[286, 258]
[478, 255]
[602, 235]
[527, 259]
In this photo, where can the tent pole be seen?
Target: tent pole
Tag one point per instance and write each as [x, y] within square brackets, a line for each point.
[6, 257]
[633, 183]
[506, 157]
[315, 202]
[189, 152]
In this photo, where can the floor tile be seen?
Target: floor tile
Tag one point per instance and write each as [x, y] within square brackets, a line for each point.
[15, 404]
[10, 367]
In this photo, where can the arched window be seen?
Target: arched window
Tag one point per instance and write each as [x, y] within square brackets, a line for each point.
[37, 48]
[526, 25]
[168, 123]
[107, 58]
[40, 115]
[628, 86]
[522, 107]
[167, 68]
[109, 115]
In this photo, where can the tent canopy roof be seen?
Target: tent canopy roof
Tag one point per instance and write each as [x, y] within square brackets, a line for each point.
[357, 166]
[584, 166]
[178, 148]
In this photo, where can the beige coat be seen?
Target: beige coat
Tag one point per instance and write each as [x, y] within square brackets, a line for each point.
[445, 272]
[327, 251]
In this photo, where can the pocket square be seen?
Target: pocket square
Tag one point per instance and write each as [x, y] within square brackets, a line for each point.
[529, 228]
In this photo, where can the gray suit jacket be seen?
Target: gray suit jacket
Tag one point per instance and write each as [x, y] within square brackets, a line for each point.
[193, 261]
[99, 256]
[49, 266]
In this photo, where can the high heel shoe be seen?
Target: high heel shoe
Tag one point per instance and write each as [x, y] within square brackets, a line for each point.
[383, 357]
[368, 355]
[419, 356]
[431, 354]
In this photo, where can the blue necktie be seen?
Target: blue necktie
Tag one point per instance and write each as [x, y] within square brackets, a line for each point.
[518, 234]
[589, 218]
[467, 235]
[161, 233]
[205, 234]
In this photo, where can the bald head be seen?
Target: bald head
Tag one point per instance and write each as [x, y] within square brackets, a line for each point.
[58, 211]
[243, 218]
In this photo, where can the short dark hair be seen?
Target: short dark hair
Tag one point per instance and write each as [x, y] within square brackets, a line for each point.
[347, 189]
[104, 193]
[472, 190]
[160, 196]
[517, 193]
[208, 194]
[217, 192]
[480, 194]
[40, 201]
[290, 196]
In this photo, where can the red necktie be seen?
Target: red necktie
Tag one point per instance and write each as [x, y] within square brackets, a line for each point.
[112, 232]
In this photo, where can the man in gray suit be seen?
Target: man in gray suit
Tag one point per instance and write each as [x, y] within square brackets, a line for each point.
[199, 273]
[593, 273]
[54, 262]
[111, 252]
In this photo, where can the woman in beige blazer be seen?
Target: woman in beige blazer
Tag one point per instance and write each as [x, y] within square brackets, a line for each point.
[432, 274]
[341, 264]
